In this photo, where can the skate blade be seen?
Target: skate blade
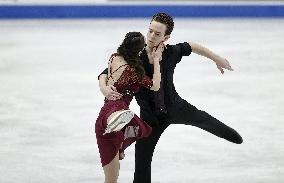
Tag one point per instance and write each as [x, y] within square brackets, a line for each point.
[119, 121]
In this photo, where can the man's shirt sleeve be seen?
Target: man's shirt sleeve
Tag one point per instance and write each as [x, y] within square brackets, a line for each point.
[182, 49]
[104, 72]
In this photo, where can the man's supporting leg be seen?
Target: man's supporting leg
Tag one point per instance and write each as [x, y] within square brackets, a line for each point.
[190, 115]
[144, 149]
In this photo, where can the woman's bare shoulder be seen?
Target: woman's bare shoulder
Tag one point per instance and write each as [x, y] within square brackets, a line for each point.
[118, 60]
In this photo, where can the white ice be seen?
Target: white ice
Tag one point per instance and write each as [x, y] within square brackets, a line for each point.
[49, 101]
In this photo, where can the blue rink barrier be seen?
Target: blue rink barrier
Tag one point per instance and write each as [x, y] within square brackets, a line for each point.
[129, 11]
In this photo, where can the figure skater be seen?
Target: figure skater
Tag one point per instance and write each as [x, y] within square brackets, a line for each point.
[116, 126]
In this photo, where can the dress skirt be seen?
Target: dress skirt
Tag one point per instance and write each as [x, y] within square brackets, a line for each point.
[112, 143]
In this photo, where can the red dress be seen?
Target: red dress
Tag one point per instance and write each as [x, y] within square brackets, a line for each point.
[112, 143]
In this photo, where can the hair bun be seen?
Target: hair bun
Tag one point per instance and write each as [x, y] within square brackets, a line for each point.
[135, 39]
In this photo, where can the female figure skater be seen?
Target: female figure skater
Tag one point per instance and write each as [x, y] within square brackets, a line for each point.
[117, 127]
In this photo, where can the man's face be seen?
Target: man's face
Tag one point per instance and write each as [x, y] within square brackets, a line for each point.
[156, 34]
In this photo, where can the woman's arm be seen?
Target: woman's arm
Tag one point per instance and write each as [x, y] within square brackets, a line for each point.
[157, 57]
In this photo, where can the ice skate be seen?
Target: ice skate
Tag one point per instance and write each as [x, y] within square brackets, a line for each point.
[119, 121]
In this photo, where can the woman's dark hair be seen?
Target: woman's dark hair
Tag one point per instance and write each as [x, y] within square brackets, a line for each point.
[132, 44]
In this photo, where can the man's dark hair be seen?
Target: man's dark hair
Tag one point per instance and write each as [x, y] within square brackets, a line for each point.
[165, 19]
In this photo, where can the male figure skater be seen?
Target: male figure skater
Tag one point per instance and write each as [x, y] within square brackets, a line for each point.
[165, 107]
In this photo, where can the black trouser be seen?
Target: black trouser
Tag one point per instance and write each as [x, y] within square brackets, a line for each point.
[189, 115]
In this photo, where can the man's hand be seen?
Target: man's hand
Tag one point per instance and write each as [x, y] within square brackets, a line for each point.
[110, 92]
[222, 64]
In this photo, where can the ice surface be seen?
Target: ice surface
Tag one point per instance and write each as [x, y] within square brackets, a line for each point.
[49, 101]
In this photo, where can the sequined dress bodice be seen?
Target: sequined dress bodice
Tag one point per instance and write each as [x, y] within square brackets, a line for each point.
[129, 83]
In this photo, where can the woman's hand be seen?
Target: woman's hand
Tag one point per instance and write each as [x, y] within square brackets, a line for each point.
[157, 52]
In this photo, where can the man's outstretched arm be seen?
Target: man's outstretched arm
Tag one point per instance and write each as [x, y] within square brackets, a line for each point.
[221, 62]
[108, 91]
